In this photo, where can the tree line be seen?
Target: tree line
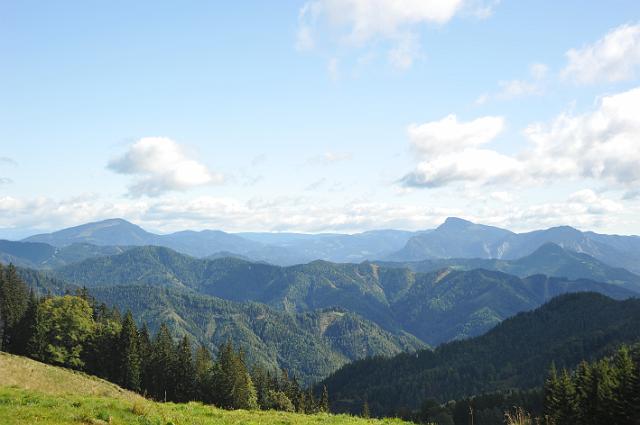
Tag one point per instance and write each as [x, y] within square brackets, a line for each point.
[601, 392]
[77, 332]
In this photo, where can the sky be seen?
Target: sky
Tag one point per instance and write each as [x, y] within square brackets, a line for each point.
[320, 115]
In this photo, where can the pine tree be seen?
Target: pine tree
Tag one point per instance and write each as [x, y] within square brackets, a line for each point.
[204, 375]
[26, 326]
[14, 300]
[551, 389]
[145, 348]
[163, 366]
[565, 397]
[232, 380]
[185, 374]
[129, 355]
[624, 370]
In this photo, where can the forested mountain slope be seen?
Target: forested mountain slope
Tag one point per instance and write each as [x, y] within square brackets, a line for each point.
[436, 307]
[515, 354]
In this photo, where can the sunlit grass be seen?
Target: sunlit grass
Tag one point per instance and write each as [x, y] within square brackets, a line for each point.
[34, 393]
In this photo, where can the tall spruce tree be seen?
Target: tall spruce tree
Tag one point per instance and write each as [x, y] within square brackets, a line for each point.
[162, 367]
[185, 374]
[204, 375]
[14, 300]
[129, 368]
[145, 349]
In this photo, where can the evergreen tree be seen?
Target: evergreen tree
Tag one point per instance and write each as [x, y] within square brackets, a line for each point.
[26, 326]
[565, 397]
[162, 368]
[625, 371]
[14, 300]
[129, 369]
[185, 374]
[232, 380]
[204, 375]
[551, 389]
[145, 348]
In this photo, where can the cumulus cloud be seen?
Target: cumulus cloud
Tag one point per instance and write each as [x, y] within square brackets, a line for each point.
[602, 145]
[449, 151]
[360, 22]
[451, 135]
[161, 165]
[615, 57]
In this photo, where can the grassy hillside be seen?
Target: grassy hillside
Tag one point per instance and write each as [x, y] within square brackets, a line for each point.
[32, 392]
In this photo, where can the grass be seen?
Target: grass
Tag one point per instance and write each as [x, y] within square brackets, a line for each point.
[35, 393]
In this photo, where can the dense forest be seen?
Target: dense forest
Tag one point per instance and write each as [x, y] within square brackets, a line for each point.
[606, 391]
[435, 307]
[514, 355]
[77, 332]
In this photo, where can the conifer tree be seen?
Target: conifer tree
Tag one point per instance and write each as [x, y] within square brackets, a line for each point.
[145, 348]
[129, 355]
[26, 326]
[204, 375]
[14, 299]
[623, 402]
[185, 374]
[163, 366]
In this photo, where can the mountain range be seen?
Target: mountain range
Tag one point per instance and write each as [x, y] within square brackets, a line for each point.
[455, 238]
[435, 307]
[261, 290]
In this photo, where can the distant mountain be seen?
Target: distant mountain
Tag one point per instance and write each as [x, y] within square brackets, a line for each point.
[108, 232]
[40, 255]
[457, 238]
[435, 307]
[334, 247]
[274, 248]
[515, 354]
[549, 259]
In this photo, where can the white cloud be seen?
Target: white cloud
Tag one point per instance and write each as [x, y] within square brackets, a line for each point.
[7, 161]
[451, 135]
[449, 152]
[584, 209]
[615, 57]
[477, 166]
[161, 165]
[329, 158]
[603, 145]
[361, 22]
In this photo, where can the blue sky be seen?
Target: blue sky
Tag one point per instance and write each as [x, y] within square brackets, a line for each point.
[322, 115]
